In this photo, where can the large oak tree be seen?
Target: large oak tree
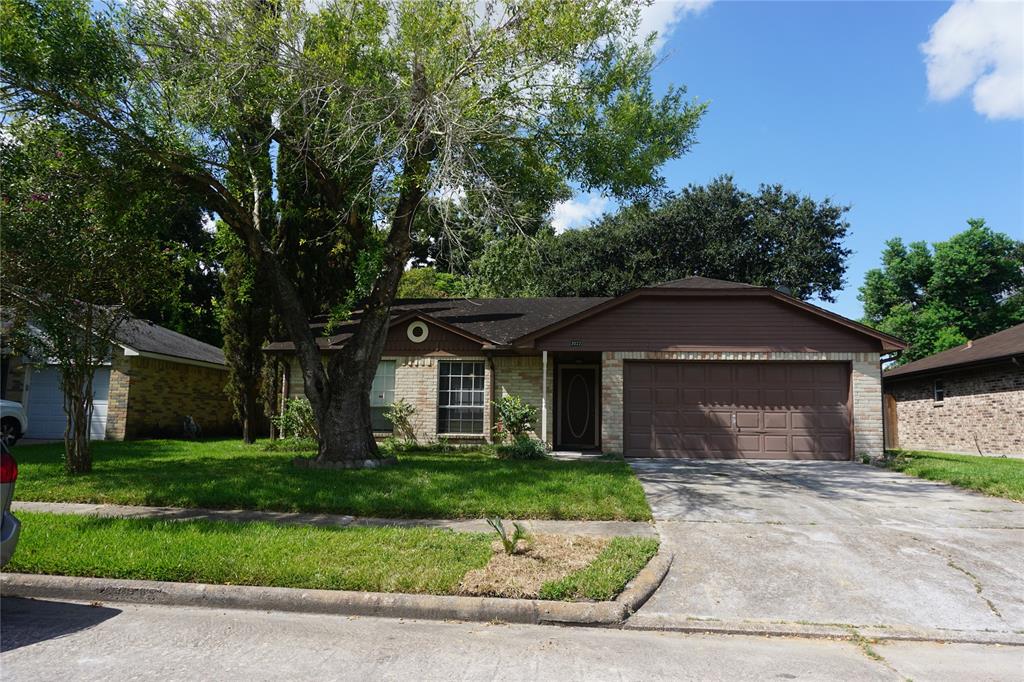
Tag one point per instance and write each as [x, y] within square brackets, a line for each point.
[379, 104]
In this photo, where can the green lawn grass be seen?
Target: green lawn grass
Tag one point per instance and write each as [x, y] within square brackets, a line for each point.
[226, 474]
[999, 476]
[370, 559]
[607, 575]
[420, 560]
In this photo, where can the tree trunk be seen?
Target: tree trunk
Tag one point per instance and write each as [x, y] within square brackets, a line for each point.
[343, 413]
[252, 415]
[345, 431]
[77, 406]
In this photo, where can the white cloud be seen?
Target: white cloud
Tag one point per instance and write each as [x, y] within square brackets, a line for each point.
[663, 15]
[979, 44]
[576, 212]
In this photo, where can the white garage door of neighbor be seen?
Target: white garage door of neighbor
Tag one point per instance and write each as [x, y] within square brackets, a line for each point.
[45, 407]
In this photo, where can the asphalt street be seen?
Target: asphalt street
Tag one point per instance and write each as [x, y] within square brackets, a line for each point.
[81, 642]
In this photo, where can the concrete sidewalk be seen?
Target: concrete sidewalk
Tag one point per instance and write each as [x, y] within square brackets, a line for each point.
[591, 528]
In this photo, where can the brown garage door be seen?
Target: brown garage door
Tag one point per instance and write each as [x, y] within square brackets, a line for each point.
[757, 410]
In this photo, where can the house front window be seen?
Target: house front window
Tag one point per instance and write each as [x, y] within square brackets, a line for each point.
[382, 394]
[460, 397]
[938, 391]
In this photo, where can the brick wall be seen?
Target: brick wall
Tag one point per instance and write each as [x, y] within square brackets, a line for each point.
[159, 396]
[983, 407]
[117, 399]
[521, 376]
[865, 384]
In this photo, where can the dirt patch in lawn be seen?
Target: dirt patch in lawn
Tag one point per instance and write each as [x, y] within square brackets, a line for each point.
[540, 559]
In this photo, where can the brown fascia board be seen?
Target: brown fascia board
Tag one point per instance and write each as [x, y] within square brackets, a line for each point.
[1009, 358]
[889, 343]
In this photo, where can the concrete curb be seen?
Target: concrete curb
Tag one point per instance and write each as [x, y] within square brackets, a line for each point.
[338, 602]
[824, 631]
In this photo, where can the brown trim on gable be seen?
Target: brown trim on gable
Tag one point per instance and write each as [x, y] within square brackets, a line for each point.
[888, 343]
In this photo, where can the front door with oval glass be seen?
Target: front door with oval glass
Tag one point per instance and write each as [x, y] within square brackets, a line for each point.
[577, 406]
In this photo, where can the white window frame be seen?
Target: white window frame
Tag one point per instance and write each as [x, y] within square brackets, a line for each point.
[482, 391]
[938, 391]
[382, 391]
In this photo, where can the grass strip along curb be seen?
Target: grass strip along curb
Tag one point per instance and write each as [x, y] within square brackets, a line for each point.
[997, 476]
[337, 602]
[371, 559]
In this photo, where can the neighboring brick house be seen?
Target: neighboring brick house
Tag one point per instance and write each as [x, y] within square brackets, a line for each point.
[968, 399]
[692, 368]
[154, 378]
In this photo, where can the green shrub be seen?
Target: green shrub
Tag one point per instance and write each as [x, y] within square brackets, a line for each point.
[522, 447]
[290, 445]
[514, 417]
[296, 420]
[400, 413]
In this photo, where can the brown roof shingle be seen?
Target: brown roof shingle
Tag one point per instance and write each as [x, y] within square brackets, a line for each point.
[1004, 344]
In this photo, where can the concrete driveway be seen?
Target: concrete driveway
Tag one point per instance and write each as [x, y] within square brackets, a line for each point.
[832, 543]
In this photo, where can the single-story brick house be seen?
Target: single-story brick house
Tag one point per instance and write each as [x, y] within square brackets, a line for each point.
[691, 368]
[968, 399]
[154, 378]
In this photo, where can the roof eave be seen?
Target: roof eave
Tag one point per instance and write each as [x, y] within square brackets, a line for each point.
[954, 367]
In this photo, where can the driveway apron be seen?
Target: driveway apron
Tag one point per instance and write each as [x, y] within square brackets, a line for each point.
[831, 543]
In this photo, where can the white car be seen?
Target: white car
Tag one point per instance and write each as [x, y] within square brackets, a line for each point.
[13, 422]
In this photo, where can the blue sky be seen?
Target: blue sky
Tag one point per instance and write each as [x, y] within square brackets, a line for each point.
[836, 99]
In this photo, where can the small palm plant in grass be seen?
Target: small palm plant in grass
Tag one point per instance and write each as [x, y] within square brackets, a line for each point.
[508, 543]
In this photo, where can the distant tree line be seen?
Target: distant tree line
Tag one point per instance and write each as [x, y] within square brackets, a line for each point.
[771, 237]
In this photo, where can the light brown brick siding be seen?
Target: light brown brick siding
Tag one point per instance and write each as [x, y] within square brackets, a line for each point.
[865, 385]
[521, 376]
[983, 408]
[117, 399]
[416, 382]
[151, 398]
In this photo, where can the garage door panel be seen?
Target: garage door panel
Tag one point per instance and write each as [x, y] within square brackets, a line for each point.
[830, 373]
[719, 396]
[776, 410]
[639, 418]
[718, 418]
[638, 397]
[723, 442]
[801, 374]
[749, 396]
[749, 375]
[748, 420]
[719, 374]
[665, 418]
[693, 419]
[801, 396]
[830, 396]
[666, 374]
[669, 441]
[693, 396]
[45, 404]
[747, 444]
[666, 396]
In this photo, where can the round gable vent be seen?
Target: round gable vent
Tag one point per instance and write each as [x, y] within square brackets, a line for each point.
[417, 332]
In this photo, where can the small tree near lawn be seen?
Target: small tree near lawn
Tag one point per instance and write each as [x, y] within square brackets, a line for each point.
[78, 252]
